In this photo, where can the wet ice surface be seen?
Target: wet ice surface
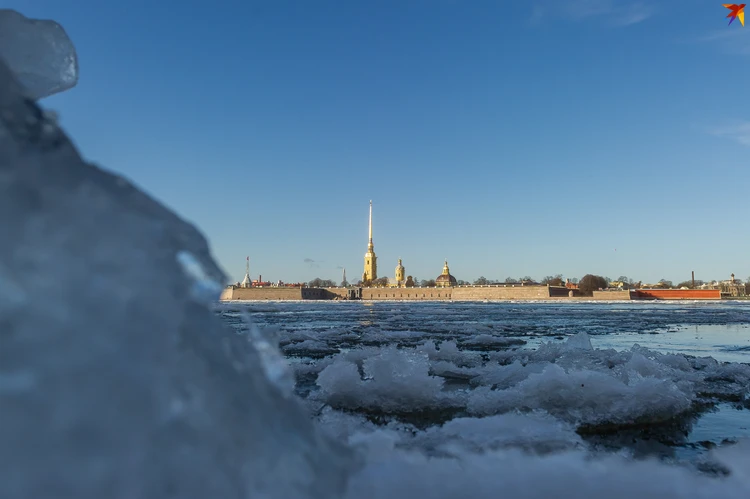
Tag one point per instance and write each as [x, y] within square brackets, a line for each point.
[641, 379]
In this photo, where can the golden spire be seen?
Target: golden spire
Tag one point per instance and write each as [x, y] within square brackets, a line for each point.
[370, 243]
[371, 269]
[445, 268]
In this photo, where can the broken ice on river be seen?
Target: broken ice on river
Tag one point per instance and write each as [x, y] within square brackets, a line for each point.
[476, 397]
[117, 379]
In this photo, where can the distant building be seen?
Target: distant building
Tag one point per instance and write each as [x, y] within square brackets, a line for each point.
[732, 288]
[400, 273]
[370, 274]
[445, 279]
[247, 282]
[620, 285]
[371, 265]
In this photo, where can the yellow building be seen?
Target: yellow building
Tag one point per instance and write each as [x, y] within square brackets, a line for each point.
[371, 265]
[400, 274]
[370, 273]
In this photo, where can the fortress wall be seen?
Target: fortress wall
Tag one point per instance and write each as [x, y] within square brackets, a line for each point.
[289, 294]
[677, 294]
[559, 292]
[407, 293]
[479, 293]
[261, 294]
[344, 293]
[611, 295]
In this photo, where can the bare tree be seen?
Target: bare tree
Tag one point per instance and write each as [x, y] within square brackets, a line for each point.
[590, 283]
[380, 282]
[482, 281]
[321, 283]
[554, 280]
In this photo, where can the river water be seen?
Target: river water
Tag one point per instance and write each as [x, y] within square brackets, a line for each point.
[667, 379]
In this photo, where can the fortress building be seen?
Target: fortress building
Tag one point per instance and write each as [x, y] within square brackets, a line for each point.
[445, 279]
[371, 265]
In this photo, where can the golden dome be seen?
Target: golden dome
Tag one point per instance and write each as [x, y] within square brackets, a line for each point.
[445, 279]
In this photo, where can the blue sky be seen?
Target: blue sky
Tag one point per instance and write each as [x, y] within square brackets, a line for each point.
[512, 138]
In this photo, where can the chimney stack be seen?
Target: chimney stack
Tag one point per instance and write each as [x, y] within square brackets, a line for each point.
[693, 279]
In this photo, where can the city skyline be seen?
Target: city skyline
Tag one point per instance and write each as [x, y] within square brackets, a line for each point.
[511, 138]
[370, 265]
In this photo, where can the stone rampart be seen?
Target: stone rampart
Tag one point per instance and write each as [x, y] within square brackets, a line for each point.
[458, 293]
[423, 294]
[344, 293]
[611, 295]
[677, 294]
[262, 294]
[272, 293]
[507, 292]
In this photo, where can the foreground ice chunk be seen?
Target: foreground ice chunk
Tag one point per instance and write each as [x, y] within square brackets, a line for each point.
[406, 475]
[39, 53]
[587, 397]
[395, 381]
[115, 380]
[531, 432]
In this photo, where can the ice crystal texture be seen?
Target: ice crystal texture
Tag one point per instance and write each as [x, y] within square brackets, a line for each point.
[39, 53]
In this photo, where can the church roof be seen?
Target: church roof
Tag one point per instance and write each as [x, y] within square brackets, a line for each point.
[445, 278]
[446, 275]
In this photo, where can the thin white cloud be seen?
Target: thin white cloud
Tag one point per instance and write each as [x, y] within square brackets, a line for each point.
[739, 132]
[635, 14]
[732, 41]
[616, 13]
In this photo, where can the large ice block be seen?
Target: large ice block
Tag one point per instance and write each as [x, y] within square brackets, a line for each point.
[39, 53]
[116, 379]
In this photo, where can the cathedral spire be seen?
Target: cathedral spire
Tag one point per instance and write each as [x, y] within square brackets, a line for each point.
[371, 269]
[370, 243]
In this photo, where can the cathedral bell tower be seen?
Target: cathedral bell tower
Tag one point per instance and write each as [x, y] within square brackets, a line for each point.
[400, 271]
[371, 266]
